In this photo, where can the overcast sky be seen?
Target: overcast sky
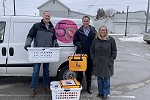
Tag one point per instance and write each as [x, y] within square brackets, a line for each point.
[29, 7]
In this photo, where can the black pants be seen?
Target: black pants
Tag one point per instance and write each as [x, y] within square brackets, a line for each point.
[88, 73]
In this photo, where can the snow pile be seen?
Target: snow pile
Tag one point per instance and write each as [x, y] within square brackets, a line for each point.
[132, 38]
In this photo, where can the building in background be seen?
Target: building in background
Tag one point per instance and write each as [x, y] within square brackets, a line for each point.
[135, 23]
[117, 23]
[106, 21]
[58, 9]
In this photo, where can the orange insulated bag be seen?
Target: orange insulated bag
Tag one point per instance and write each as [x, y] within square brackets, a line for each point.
[78, 62]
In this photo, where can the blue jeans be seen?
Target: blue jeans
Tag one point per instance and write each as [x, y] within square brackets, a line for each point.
[103, 85]
[35, 75]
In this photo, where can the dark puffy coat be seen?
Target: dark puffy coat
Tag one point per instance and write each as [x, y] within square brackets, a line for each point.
[42, 36]
[103, 54]
[83, 42]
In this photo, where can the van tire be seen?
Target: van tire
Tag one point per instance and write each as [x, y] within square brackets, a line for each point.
[65, 73]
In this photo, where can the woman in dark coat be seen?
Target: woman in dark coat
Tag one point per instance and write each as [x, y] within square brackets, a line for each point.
[103, 53]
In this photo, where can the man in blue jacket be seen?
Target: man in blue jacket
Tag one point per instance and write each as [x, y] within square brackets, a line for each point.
[82, 40]
[43, 34]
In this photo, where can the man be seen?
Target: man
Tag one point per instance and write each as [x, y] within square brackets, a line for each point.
[82, 40]
[43, 34]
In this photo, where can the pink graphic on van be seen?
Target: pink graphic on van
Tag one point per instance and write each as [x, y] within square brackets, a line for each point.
[65, 30]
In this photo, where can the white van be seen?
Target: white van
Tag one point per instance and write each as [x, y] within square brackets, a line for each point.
[13, 57]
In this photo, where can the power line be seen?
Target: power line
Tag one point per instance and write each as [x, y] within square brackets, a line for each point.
[90, 6]
[28, 1]
[104, 4]
[86, 5]
[137, 3]
[9, 9]
[1, 12]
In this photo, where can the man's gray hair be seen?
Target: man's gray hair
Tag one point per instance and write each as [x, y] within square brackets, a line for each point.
[46, 11]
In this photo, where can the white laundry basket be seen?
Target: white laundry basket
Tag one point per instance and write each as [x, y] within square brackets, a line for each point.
[41, 55]
[59, 93]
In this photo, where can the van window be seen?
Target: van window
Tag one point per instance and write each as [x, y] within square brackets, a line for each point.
[2, 30]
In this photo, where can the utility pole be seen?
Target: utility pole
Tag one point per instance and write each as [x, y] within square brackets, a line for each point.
[14, 8]
[4, 6]
[126, 22]
[147, 16]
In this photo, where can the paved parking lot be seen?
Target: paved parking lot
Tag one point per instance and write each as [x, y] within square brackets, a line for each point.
[131, 80]
[15, 90]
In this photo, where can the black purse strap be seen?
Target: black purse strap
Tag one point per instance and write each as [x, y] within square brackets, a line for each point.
[77, 59]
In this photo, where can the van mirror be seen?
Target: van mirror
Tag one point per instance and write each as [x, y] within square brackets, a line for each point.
[2, 30]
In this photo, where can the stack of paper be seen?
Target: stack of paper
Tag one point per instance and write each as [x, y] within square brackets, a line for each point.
[70, 83]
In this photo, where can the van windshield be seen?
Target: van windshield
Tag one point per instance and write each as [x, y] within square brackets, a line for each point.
[2, 30]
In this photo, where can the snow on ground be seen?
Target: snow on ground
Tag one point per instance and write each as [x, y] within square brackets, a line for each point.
[134, 38]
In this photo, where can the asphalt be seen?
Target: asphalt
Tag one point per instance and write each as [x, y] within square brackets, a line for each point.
[131, 80]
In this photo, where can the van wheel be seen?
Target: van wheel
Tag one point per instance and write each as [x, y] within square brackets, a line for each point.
[65, 73]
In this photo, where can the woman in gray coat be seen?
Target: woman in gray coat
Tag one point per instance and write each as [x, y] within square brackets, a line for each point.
[103, 53]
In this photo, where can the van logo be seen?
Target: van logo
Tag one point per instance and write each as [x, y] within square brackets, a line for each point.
[65, 30]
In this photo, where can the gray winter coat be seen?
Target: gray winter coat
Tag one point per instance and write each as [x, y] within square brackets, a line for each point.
[103, 54]
[42, 36]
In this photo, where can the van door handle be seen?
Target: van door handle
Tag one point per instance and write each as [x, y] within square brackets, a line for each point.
[4, 51]
[11, 51]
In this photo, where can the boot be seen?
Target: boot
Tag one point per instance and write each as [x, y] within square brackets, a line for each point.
[47, 89]
[89, 90]
[32, 93]
[104, 97]
[100, 95]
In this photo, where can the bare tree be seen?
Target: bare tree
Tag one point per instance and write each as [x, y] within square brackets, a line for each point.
[109, 12]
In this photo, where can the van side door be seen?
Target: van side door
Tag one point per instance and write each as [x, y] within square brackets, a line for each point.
[4, 36]
[18, 63]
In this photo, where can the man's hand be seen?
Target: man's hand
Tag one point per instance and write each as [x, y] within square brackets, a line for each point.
[56, 45]
[26, 46]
